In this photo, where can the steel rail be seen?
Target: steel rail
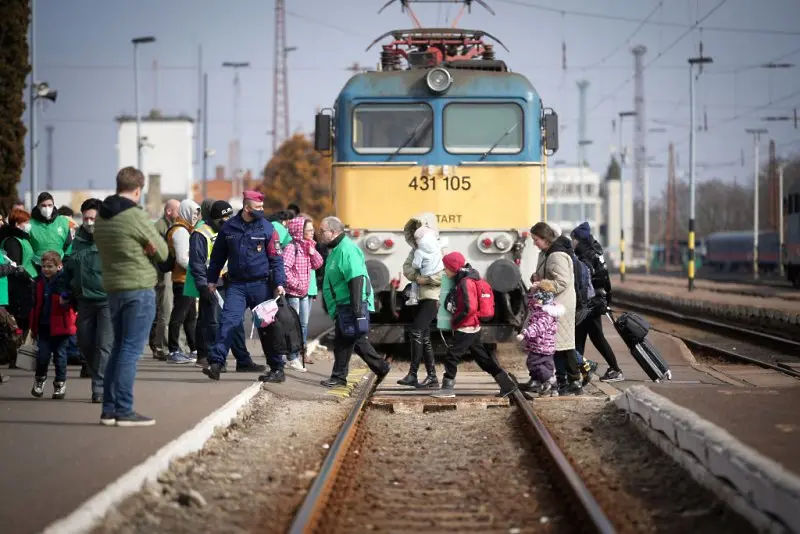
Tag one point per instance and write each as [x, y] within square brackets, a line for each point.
[594, 513]
[309, 514]
[785, 343]
[733, 355]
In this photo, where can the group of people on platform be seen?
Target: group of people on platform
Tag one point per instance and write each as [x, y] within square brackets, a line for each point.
[119, 281]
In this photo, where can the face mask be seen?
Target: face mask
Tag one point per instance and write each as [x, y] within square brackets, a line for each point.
[89, 227]
[46, 212]
[26, 228]
[257, 214]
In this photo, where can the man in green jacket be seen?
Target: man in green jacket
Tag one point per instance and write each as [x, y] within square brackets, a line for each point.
[49, 230]
[126, 240]
[83, 280]
[347, 289]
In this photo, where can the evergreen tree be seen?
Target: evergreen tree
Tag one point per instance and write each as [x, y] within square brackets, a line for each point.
[298, 174]
[14, 67]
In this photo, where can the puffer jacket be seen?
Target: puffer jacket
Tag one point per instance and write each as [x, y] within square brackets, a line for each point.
[462, 301]
[539, 334]
[555, 265]
[298, 260]
[429, 288]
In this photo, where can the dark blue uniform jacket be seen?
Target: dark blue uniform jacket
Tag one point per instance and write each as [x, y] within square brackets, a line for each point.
[251, 250]
[198, 254]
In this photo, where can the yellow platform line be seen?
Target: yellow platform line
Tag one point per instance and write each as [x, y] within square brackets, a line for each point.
[353, 378]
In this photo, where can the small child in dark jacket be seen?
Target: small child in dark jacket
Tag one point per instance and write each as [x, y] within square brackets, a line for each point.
[462, 302]
[52, 323]
[538, 338]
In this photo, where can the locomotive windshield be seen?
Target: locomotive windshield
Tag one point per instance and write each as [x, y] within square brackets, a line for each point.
[473, 128]
[383, 128]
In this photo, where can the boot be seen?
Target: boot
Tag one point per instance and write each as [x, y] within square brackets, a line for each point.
[430, 366]
[447, 390]
[507, 383]
[416, 355]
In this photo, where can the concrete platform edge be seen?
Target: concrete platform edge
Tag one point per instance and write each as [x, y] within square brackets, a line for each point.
[757, 487]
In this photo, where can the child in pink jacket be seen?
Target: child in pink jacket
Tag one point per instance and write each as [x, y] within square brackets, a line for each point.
[538, 337]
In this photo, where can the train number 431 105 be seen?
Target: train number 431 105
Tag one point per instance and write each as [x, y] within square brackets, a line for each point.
[449, 183]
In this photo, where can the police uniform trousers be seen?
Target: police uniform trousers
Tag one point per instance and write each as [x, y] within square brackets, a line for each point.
[238, 297]
[208, 326]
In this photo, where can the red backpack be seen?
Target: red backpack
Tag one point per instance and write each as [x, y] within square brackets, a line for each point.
[485, 300]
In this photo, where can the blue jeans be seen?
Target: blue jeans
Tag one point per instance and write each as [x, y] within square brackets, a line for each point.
[303, 308]
[54, 347]
[238, 296]
[132, 314]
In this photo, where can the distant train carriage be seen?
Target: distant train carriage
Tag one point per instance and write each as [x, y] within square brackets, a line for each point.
[791, 205]
[733, 251]
[442, 128]
[678, 256]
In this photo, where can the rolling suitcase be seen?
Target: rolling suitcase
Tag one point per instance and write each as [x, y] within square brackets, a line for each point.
[633, 330]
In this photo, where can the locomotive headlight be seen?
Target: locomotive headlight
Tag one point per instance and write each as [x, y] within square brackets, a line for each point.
[439, 80]
[502, 242]
[373, 243]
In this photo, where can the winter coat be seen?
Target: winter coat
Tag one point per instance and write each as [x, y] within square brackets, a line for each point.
[62, 318]
[298, 260]
[591, 252]
[285, 334]
[463, 299]
[555, 264]
[83, 272]
[251, 250]
[428, 255]
[121, 232]
[430, 287]
[17, 247]
[539, 334]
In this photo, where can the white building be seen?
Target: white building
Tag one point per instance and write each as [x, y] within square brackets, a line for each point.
[564, 197]
[609, 235]
[168, 151]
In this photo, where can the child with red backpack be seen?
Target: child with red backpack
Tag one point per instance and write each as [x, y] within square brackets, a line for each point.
[470, 301]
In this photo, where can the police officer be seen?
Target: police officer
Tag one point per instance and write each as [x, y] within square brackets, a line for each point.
[200, 245]
[250, 246]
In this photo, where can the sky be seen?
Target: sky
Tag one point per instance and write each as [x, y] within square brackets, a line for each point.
[83, 49]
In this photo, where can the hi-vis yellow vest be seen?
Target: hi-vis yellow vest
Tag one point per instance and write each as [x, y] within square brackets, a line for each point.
[189, 287]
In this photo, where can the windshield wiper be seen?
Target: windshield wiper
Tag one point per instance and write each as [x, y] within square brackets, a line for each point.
[410, 138]
[506, 134]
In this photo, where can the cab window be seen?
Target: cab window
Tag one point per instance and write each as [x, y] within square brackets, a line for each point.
[473, 128]
[383, 128]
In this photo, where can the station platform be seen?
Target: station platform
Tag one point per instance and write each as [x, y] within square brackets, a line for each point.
[56, 455]
[761, 288]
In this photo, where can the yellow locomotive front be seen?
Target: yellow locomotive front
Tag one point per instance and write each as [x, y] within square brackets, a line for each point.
[457, 138]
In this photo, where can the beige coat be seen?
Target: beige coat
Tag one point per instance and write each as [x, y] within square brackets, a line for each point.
[431, 286]
[557, 267]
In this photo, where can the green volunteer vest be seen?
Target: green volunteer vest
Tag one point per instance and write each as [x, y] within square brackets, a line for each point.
[283, 234]
[189, 287]
[312, 284]
[51, 236]
[345, 261]
[27, 256]
[3, 284]
[444, 317]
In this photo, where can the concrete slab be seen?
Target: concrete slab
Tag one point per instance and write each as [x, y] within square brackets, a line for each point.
[56, 455]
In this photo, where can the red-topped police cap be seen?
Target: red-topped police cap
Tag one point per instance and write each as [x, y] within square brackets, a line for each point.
[254, 196]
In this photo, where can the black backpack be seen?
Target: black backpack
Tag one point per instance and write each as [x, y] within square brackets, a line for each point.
[285, 334]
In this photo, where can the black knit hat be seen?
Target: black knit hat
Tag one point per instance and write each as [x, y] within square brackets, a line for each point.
[220, 209]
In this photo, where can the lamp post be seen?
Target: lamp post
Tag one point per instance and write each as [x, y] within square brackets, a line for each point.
[622, 115]
[235, 65]
[701, 60]
[781, 243]
[136, 42]
[756, 133]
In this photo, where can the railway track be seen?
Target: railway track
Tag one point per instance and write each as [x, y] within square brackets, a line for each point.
[714, 337]
[488, 470]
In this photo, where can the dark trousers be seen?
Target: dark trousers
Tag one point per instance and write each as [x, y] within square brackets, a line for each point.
[51, 347]
[158, 332]
[567, 366]
[593, 327]
[238, 297]
[420, 336]
[207, 327]
[464, 343]
[184, 314]
[95, 338]
[343, 348]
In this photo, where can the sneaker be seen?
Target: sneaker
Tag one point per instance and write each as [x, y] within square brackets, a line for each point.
[547, 388]
[179, 358]
[297, 365]
[274, 376]
[134, 419]
[612, 376]
[531, 385]
[412, 301]
[59, 390]
[194, 355]
[38, 387]
[97, 398]
[108, 419]
[574, 388]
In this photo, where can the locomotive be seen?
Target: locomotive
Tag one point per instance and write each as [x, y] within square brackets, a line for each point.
[442, 128]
